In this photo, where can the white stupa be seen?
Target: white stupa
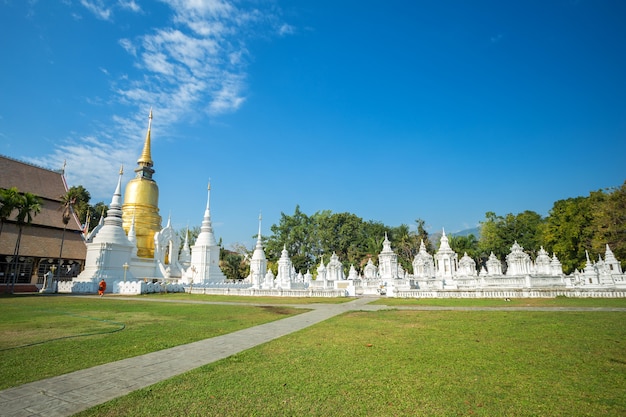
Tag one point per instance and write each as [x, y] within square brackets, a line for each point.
[110, 248]
[205, 253]
[258, 263]
[388, 261]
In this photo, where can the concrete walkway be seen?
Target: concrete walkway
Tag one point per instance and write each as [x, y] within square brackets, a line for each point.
[68, 394]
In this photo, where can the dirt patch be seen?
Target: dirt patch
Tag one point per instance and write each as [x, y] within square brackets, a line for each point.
[286, 311]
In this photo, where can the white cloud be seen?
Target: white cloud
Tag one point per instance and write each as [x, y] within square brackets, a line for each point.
[98, 8]
[187, 10]
[229, 96]
[286, 29]
[157, 62]
[93, 163]
[206, 28]
[199, 60]
[128, 46]
[130, 5]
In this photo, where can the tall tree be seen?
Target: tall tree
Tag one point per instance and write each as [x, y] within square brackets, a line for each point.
[373, 242]
[405, 244]
[9, 199]
[191, 233]
[466, 244]
[568, 233]
[80, 205]
[339, 233]
[423, 236]
[68, 201]
[233, 265]
[28, 205]
[491, 236]
[526, 228]
[96, 212]
[609, 221]
[498, 233]
[299, 235]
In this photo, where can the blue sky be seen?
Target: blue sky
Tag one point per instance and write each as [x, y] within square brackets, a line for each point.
[391, 110]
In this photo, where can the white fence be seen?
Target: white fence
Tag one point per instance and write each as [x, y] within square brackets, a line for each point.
[506, 293]
[249, 292]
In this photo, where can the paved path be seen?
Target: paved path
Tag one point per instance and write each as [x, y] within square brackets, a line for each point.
[68, 394]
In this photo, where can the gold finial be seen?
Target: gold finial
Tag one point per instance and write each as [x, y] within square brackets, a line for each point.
[146, 157]
[209, 184]
[122, 169]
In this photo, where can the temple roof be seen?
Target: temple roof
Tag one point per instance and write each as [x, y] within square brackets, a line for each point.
[43, 237]
[47, 184]
[30, 178]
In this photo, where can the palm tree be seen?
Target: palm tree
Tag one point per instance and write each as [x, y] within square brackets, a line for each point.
[68, 200]
[8, 202]
[80, 204]
[28, 205]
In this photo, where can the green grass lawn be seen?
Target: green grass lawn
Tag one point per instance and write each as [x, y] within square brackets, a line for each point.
[43, 336]
[390, 362]
[498, 302]
[433, 363]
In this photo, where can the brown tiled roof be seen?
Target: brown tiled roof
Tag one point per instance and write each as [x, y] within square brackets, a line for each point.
[45, 183]
[30, 178]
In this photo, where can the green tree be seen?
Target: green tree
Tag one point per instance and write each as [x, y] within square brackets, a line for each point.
[307, 238]
[568, 231]
[491, 236]
[340, 233]
[466, 244]
[423, 236]
[609, 221]
[405, 245]
[68, 201]
[233, 265]
[299, 235]
[9, 200]
[191, 233]
[374, 235]
[498, 233]
[28, 205]
[96, 212]
[80, 198]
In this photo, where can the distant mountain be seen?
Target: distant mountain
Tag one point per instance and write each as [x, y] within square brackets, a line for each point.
[473, 231]
[435, 237]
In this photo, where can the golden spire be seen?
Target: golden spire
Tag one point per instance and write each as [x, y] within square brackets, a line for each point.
[146, 157]
[141, 202]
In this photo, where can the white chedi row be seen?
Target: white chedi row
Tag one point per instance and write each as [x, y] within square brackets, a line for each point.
[446, 264]
[112, 256]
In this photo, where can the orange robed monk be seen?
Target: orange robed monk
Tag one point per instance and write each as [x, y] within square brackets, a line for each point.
[102, 286]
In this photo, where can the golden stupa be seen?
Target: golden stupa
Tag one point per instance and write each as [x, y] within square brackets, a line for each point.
[141, 202]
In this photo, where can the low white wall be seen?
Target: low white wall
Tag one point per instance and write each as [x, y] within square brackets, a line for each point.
[249, 292]
[508, 293]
